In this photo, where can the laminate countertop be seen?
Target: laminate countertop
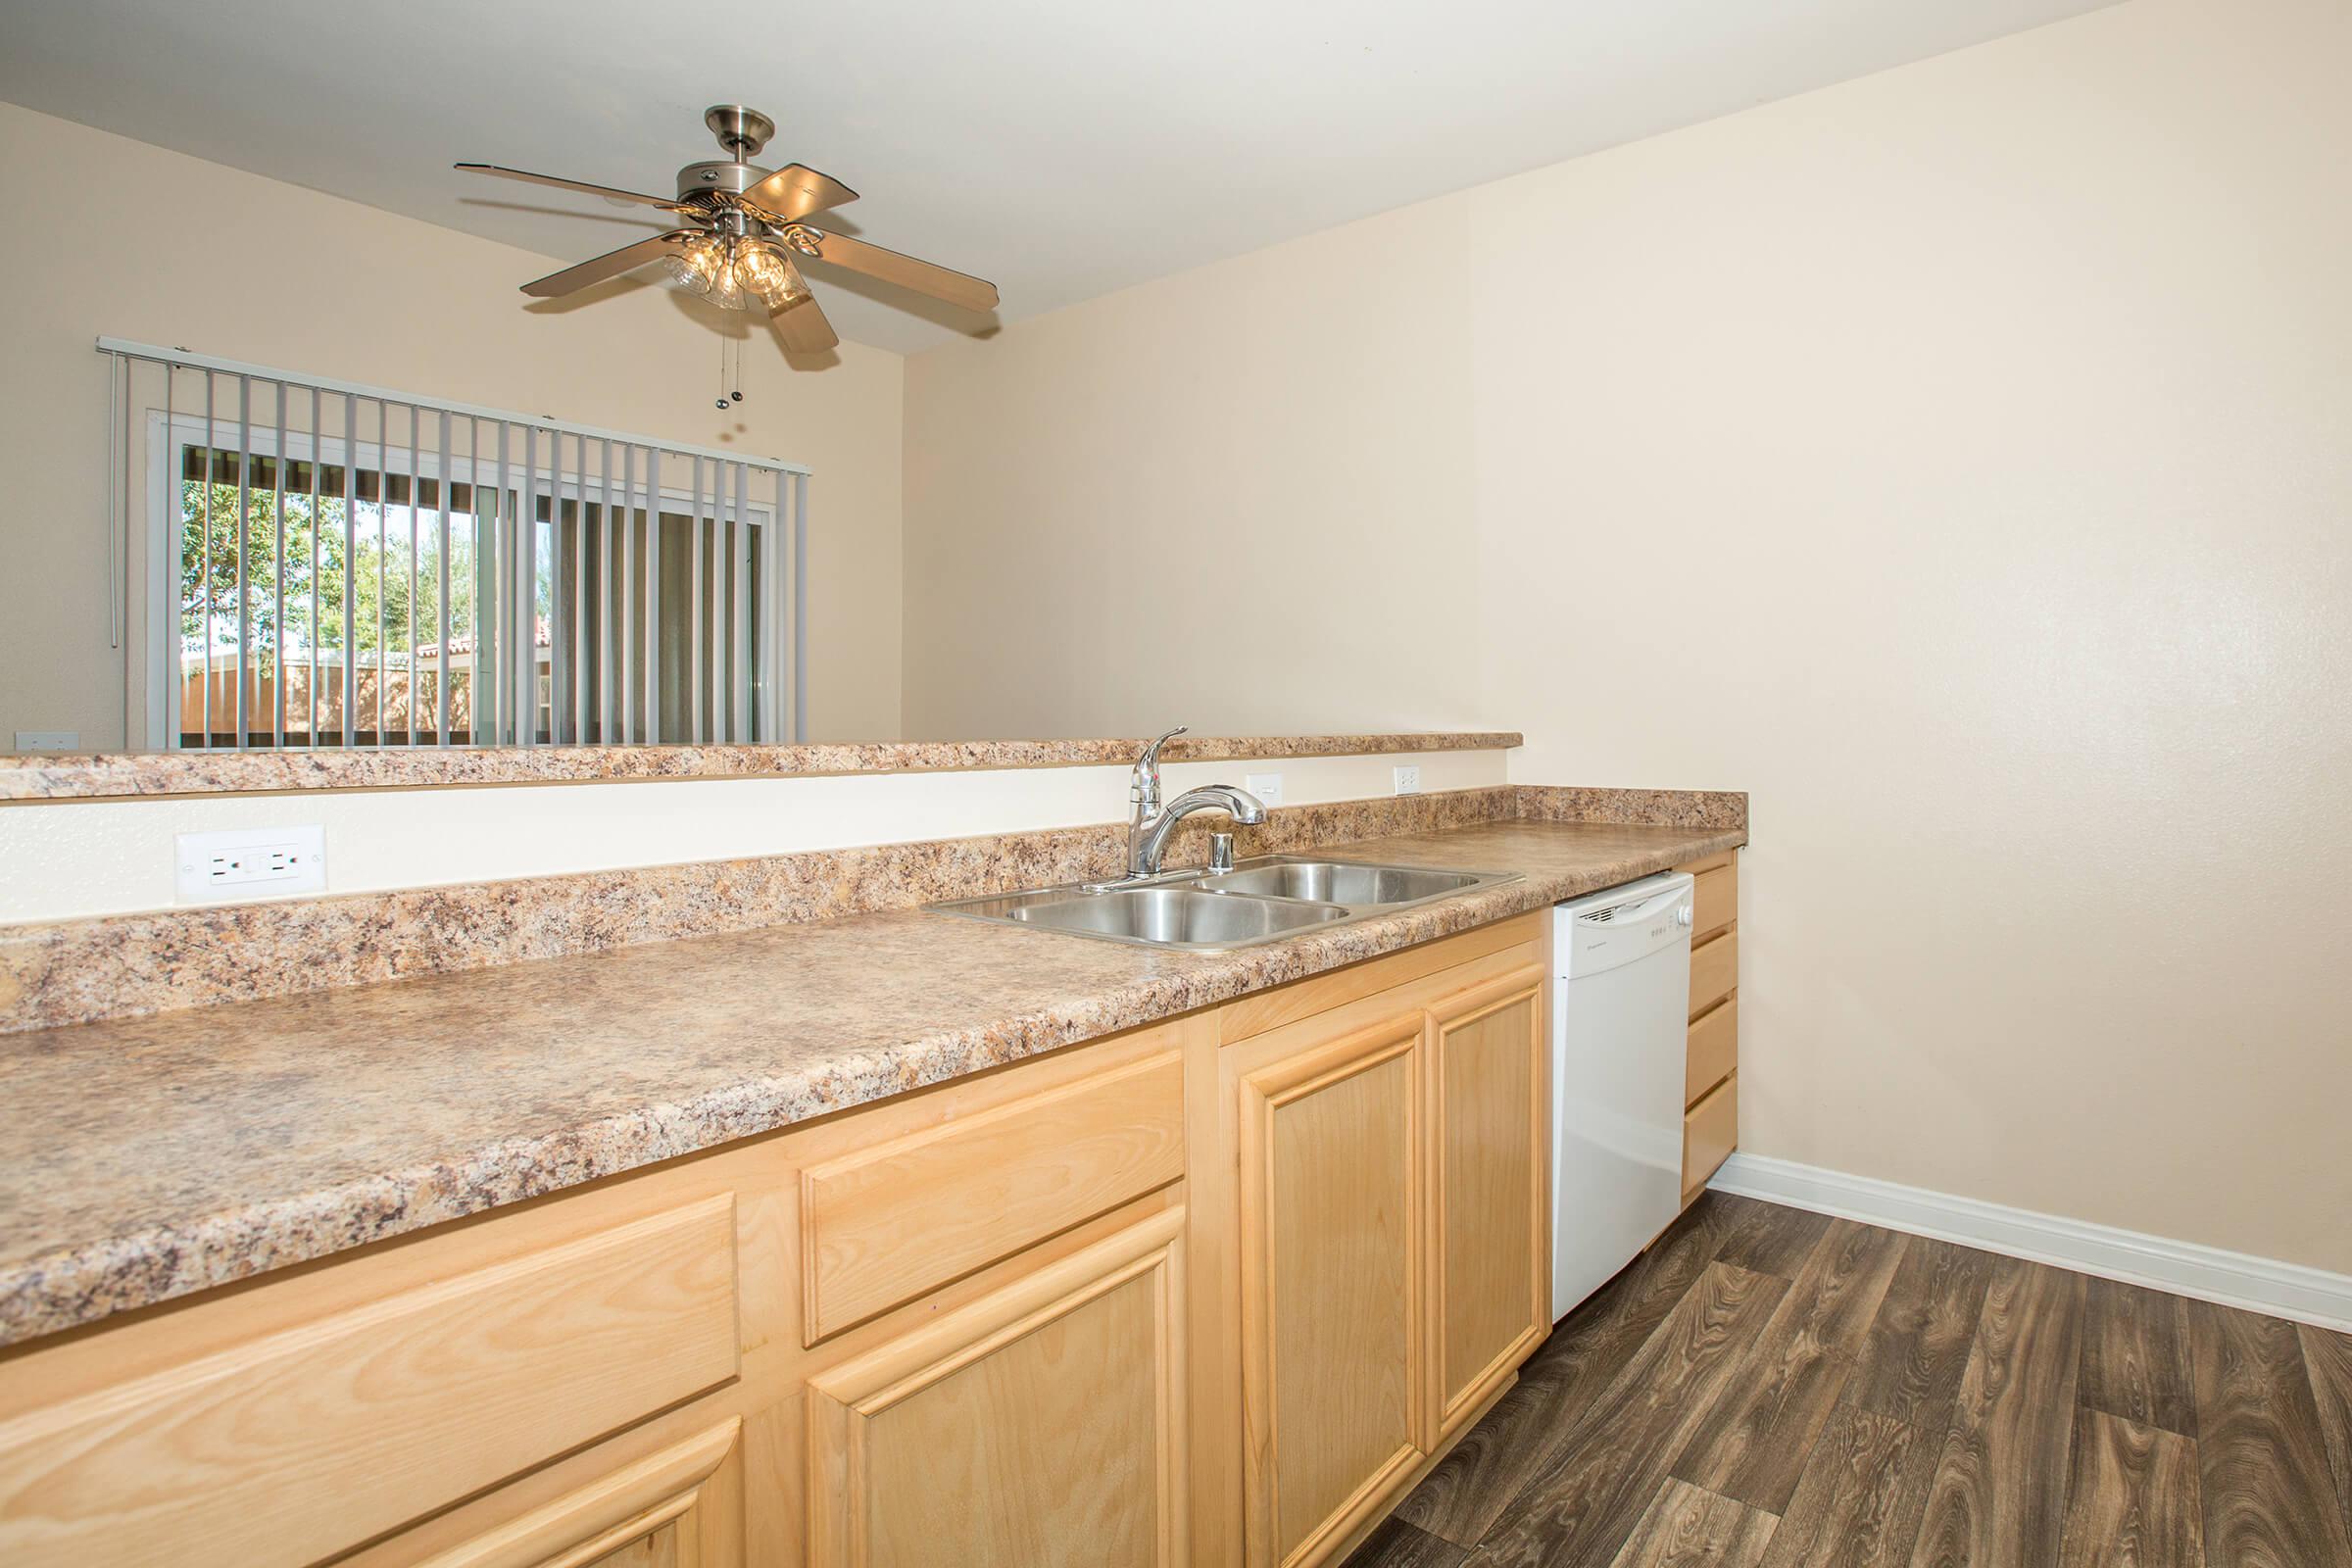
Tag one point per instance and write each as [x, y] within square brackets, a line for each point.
[145, 1159]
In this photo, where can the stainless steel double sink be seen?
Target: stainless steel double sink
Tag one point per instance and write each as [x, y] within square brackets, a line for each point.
[1212, 911]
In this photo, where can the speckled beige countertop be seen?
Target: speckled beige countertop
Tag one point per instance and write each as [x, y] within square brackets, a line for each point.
[98, 776]
[147, 1159]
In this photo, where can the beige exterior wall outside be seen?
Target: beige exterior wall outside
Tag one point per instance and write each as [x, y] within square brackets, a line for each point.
[1959, 460]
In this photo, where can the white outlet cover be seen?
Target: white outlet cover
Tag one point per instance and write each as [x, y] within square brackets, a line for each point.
[1408, 779]
[1267, 787]
[255, 863]
[48, 740]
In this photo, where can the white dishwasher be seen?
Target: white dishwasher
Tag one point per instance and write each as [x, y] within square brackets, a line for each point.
[1621, 1007]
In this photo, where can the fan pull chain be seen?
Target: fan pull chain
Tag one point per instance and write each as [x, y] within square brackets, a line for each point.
[727, 398]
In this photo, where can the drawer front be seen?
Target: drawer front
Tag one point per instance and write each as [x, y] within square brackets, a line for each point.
[884, 1225]
[1710, 1132]
[1714, 971]
[1715, 900]
[309, 1440]
[1714, 1050]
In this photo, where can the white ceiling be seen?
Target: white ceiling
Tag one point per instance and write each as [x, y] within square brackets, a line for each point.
[1062, 148]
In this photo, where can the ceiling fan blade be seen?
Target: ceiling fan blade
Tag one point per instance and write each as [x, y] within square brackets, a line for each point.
[609, 264]
[925, 278]
[663, 202]
[801, 326]
[793, 192]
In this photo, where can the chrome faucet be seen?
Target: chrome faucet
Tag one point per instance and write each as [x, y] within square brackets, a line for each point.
[1150, 824]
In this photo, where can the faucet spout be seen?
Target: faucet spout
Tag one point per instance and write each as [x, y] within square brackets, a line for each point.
[1148, 839]
[1240, 805]
[1150, 823]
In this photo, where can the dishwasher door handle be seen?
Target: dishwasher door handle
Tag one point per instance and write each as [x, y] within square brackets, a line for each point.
[1637, 911]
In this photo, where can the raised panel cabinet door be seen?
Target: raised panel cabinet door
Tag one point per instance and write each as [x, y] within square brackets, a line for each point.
[1490, 1270]
[1334, 1338]
[1038, 1427]
[679, 1508]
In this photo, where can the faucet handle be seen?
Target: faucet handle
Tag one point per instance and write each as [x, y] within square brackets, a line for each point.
[1145, 788]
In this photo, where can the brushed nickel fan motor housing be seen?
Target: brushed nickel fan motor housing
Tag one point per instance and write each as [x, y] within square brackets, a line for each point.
[733, 179]
[741, 131]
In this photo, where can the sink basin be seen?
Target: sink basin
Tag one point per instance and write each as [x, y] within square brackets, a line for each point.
[1257, 901]
[1343, 882]
[1182, 917]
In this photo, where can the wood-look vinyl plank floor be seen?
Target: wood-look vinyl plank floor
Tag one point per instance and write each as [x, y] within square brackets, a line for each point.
[2329, 1359]
[1461, 1499]
[1858, 1507]
[2262, 1454]
[1770, 1389]
[1754, 1444]
[1689, 1527]
[1584, 1505]
[2133, 1499]
[1397, 1545]
[1998, 1497]
[2134, 1356]
[1910, 1370]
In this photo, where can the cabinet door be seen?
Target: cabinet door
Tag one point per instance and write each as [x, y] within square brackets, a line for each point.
[1333, 1319]
[680, 1507]
[1040, 1426]
[1489, 1212]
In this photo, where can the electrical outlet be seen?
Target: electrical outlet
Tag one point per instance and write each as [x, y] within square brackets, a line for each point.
[1267, 787]
[48, 740]
[1408, 778]
[250, 862]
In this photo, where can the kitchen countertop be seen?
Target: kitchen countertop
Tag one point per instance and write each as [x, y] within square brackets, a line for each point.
[148, 1158]
[101, 775]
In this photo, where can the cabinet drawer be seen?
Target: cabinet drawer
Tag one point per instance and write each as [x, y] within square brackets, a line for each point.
[1714, 1050]
[1715, 900]
[1714, 971]
[1710, 1132]
[886, 1224]
[310, 1439]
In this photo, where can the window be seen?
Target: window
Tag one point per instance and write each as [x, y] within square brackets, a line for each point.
[330, 566]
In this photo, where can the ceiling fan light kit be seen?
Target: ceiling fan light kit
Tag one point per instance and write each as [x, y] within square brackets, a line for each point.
[742, 225]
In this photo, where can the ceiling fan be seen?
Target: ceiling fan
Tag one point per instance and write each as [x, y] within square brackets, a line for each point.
[745, 225]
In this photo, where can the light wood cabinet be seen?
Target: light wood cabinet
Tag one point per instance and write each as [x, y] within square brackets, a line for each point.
[1711, 1081]
[1714, 969]
[1390, 1223]
[680, 1507]
[288, 1447]
[1332, 1152]
[1710, 1132]
[1215, 1291]
[883, 1225]
[1040, 1427]
[1714, 895]
[1491, 1245]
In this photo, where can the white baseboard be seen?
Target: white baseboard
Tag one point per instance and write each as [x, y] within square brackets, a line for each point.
[2208, 1273]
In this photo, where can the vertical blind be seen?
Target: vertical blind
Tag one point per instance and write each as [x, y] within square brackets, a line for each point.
[308, 562]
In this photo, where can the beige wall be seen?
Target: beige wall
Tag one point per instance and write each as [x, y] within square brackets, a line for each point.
[230, 264]
[1094, 493]
[1959, 460]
